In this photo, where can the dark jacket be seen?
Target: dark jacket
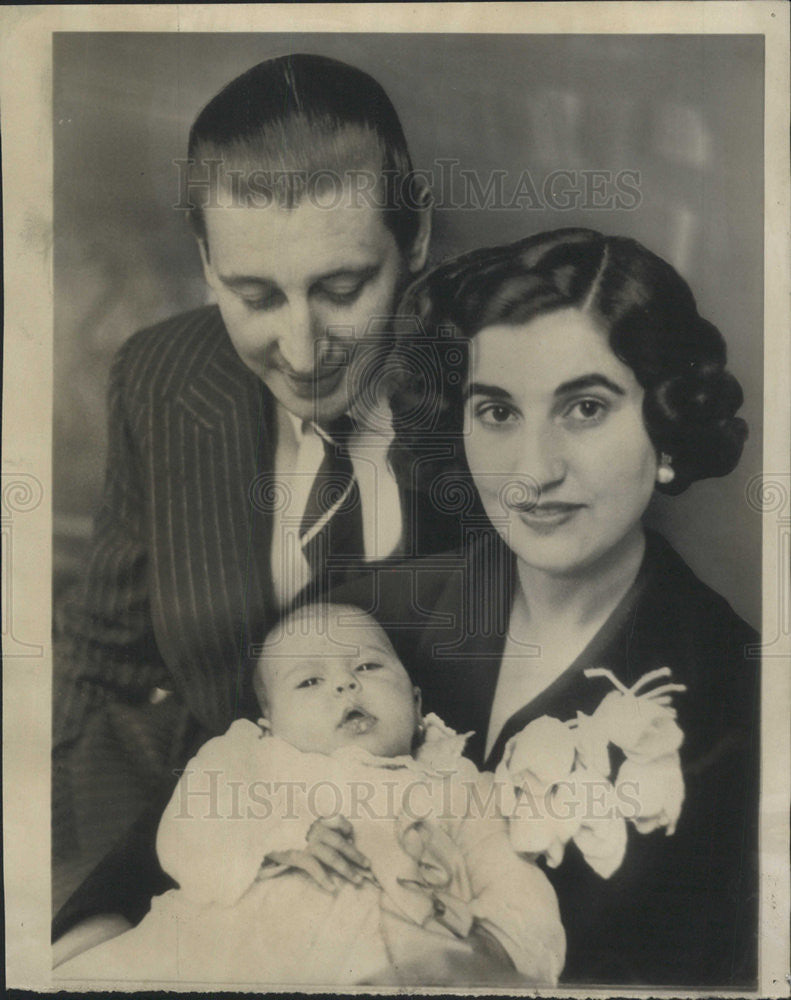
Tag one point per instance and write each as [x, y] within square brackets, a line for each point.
[682, 910]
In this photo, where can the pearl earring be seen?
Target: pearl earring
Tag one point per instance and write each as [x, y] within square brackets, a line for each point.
[665, 473]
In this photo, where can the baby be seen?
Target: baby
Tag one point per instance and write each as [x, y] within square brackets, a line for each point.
[334, 842]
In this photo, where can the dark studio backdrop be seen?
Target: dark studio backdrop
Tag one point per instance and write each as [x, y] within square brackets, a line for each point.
[659, 138]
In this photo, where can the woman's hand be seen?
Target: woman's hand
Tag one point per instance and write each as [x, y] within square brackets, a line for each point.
[330, 852]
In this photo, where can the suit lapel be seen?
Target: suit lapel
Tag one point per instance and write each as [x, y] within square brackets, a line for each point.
[462, 663]
[220, 504]
[572, 691]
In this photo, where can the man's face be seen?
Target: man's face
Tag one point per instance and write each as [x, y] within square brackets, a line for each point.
[296, 288]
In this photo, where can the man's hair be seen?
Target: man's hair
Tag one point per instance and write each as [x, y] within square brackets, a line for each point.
[296, 119]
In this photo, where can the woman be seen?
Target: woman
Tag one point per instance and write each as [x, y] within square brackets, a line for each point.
[582, 378]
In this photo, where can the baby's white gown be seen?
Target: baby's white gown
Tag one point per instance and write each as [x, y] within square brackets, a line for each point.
[439, 853]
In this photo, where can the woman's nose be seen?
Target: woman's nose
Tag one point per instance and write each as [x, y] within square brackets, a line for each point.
[541, 459]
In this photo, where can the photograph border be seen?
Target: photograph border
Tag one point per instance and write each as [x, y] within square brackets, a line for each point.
[26, 101]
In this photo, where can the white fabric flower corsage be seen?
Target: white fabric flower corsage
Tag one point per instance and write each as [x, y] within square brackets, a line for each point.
[537, 789]
[558, 783]
[442, 747]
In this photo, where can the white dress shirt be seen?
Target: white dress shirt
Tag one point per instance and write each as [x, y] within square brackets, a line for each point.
[299, 454]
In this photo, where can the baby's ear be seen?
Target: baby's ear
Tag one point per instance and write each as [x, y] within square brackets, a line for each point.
[265, 726]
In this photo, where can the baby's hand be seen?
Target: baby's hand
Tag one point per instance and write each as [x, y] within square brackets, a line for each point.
[330, 851]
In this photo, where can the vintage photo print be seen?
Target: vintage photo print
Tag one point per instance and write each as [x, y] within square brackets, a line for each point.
[396, 498]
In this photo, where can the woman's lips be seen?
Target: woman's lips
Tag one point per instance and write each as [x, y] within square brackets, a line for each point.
[549, 515]
[357, 721]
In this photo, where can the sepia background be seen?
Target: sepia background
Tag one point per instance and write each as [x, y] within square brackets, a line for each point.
[684, 113]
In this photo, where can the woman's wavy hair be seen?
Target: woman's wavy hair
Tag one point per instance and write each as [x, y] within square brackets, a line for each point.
[642, 304]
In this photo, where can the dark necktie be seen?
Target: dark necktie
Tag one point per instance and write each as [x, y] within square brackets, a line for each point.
[331, 530]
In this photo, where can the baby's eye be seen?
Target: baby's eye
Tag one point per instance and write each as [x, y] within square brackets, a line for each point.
[308, 682]
[368, 666]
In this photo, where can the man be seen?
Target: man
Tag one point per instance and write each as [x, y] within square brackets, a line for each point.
[224, 425]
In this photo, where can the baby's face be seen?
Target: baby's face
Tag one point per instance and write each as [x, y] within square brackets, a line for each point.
[339, 689]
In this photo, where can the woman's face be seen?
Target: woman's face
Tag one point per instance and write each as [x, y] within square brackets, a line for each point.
[555, 441]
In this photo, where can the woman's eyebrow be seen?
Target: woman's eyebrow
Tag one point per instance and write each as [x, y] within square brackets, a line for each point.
[589, 382]
[481, 389]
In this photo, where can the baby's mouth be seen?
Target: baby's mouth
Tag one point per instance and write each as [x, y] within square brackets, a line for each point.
[357, 721]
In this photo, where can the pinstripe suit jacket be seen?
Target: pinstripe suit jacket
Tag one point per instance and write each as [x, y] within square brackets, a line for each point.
[178, 583]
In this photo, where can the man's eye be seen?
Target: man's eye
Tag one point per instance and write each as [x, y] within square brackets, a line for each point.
[308, 682]
[260, 305]
[494, 414]
[341, 291]
[260, 302]
[369, 666]
[346, 286]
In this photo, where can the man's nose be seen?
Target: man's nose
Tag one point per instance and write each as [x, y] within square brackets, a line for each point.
[299, 336]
